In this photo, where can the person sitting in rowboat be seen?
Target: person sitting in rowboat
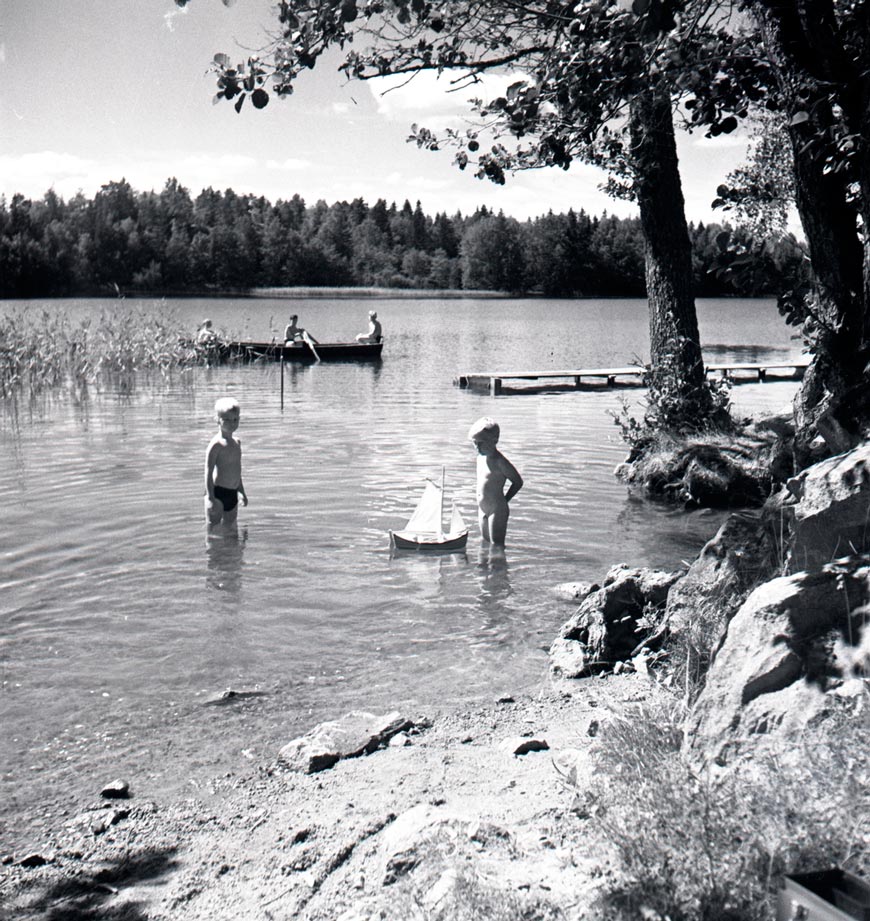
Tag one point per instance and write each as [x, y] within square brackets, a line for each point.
[375, 333]
[294, 333]
[206, 335]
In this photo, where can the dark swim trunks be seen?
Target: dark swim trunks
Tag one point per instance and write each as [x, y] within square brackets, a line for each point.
[229, 497]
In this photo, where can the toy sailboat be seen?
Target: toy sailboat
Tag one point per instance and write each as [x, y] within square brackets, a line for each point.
[424, 530]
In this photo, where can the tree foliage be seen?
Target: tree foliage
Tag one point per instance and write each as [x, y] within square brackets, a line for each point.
[222, 241]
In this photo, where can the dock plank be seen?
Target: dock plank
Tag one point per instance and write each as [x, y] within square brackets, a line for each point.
[493, 380]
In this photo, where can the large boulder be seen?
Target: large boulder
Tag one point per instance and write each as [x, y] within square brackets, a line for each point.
[609, 624]
[742, 554]
[831, 517]
[778, 658]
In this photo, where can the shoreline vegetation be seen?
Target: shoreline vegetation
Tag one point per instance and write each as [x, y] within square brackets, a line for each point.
[40, 350]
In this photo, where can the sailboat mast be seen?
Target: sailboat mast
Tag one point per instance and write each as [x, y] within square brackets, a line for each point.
[441, 510]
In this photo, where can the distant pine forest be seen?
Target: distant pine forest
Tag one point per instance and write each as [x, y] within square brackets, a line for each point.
[124, 241]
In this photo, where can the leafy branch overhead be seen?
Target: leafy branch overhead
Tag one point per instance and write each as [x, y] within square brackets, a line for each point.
[577, 67]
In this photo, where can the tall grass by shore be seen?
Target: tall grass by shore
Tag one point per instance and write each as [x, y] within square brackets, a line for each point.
[43, 350]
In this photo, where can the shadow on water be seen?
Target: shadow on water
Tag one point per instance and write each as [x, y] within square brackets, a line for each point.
[225, 552]
[85, 897]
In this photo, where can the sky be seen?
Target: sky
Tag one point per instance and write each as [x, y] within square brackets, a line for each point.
[94, 92]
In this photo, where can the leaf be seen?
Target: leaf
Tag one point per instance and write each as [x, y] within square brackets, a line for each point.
[222, 60]
[799, 118]
[260, 99]
[238, 105]
[640, 7]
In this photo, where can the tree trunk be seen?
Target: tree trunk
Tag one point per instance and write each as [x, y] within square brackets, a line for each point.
[675, 345]
[813, 70]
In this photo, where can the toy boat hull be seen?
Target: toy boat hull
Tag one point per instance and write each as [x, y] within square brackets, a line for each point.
[429, 543]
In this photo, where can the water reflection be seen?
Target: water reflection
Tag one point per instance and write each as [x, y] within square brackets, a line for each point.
[492, 568]
[225, 551]
[751, 354]
[429, 572]
[657, 532]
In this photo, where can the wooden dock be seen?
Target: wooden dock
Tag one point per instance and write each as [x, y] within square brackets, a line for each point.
[631, 375]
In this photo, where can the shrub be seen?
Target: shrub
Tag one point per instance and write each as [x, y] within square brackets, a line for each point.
[674, 409]
[697, 846]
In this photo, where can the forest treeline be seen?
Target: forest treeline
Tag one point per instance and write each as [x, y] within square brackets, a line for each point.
[169, 242]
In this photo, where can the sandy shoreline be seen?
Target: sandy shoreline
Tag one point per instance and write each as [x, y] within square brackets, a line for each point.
[284, 845]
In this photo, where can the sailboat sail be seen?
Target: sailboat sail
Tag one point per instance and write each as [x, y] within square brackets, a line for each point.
[427, 514]
[457, 522]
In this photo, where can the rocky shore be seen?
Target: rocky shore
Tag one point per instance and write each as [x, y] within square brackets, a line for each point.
[735, 689]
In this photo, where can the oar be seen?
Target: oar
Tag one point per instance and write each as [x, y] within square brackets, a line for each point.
[310, 345]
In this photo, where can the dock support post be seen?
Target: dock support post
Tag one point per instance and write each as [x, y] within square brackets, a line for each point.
[762, 375]
[611, 380]
[495, 386]
[576, 381]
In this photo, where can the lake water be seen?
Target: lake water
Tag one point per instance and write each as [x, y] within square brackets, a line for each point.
[120, 619]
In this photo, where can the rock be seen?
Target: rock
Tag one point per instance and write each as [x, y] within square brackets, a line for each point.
[505, 699]
[570, 764]
[568, 659]
[33, 860]
[357, 733]
[444, 885]
[831, 514]
[605, 628]
[777, 658]
[574, 591]
[402, 841]
[731, 564]
[117, 789]
[229, 696]
[522, 746]
[400, 740]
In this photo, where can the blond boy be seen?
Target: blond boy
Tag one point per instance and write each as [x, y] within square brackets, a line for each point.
[223, 466]
[493, 471]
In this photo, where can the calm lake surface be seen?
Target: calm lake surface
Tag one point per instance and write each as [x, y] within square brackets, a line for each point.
[119, 618]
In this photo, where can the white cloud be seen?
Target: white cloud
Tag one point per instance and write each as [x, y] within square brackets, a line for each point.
[291, 164]
[33, 174]
[426, 92]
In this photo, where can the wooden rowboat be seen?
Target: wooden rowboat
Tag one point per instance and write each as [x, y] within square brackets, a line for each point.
[249, 350]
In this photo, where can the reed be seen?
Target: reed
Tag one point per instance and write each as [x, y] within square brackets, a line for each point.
[44, 350]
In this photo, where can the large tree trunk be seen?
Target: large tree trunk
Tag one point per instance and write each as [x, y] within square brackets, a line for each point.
[813, 70]
[675, 345]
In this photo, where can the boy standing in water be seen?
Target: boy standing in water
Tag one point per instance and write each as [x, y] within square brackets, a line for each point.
[223, 466]
[493, 470]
